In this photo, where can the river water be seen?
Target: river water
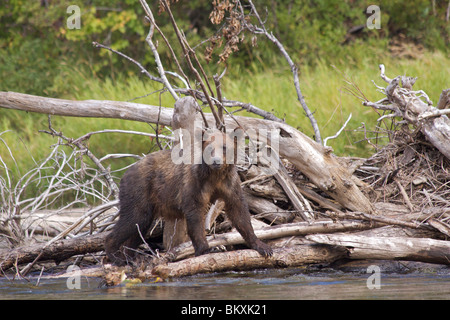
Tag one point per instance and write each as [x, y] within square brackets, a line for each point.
[280, 284]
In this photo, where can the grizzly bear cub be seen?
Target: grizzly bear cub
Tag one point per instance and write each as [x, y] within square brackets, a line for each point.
[157, 187]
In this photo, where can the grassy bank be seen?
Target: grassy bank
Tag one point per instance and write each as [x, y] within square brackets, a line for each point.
[270, 90]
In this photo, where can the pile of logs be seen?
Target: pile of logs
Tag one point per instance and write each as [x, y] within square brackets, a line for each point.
[317, 208]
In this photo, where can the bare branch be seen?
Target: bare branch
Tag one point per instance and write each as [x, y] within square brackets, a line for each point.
[104, 171]
[382, 75]
[143, 70]
[149, 41]
[187, 52]
[337, 133]
[294, 70]
[88, 135]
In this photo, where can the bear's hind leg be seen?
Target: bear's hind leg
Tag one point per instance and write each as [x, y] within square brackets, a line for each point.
[126, 236]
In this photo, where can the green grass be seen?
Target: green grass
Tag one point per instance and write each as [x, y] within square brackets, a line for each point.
[270, 90]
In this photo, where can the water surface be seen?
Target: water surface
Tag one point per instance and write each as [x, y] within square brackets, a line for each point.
[283, 284]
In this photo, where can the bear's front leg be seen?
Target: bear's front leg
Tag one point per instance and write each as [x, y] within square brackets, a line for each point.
[195, 227]
[238, 213]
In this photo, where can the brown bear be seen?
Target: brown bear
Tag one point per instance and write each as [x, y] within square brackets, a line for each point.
[157, 187]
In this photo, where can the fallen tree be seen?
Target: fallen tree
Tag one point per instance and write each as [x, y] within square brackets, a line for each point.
[249, 259]
[56, 251]
[389, 248]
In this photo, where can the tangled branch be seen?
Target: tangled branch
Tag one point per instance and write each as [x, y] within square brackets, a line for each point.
[65, 180]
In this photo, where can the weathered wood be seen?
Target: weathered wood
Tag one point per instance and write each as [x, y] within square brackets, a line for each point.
[286, 230]
[444, 100]
[295, 255]
[268, 210]
[250, 259]
[214, 211]
[270, 191]
[440, 225]
[315, 161]
[323, 202]
[437, 131]
[175, 231]
[406, 103]
[389, 248]
[184, 117]
[298, 201]
[48, 223]
[57, 251]
[86, 108]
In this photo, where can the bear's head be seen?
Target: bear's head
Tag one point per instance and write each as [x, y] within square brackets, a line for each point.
[221, 149]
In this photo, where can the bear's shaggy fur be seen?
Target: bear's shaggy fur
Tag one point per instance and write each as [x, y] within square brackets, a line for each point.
[156, 187]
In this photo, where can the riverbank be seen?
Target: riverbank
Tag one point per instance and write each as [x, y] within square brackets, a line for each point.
[399, 281]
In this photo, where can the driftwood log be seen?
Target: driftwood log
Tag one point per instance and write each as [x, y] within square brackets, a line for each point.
[56, 251]
[389, 248]
[268, 210]
[250, 259]
[280, 231]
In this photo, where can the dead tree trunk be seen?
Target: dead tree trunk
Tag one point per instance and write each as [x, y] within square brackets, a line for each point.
[286, 230]
[56, 251]
[389, 248]
[175, 231]
[315, 161]
[250, 259]
[404, 102]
